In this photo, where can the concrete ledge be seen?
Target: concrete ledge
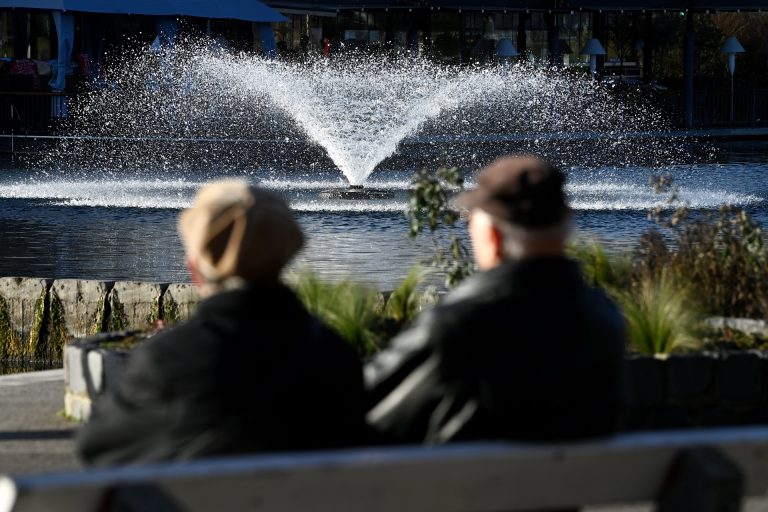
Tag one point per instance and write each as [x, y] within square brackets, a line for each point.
[39, 316]
[22, 315]
[134, 305]
[22, 379]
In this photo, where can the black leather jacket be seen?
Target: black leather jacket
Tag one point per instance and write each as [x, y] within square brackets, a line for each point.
[251, 371]
[524, 351]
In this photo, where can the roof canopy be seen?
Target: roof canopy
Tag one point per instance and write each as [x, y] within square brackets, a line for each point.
[562, 5]
[247, 10]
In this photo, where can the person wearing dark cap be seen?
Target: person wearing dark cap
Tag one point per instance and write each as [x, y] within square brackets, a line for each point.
[523, 349]
[251, 371]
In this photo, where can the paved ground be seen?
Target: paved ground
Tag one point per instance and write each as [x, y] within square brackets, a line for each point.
[34, 437]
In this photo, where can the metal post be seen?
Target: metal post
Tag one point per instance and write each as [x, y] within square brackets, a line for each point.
[732, 116]
[689, 60]
[648, 49]
[522, 42]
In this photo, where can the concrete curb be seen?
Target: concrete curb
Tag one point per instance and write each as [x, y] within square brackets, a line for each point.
[22, 379]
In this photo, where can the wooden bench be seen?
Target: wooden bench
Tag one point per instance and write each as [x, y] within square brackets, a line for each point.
[698, 470]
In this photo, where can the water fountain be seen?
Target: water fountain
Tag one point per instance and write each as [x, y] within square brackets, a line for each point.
[216, 110]
[103, 203]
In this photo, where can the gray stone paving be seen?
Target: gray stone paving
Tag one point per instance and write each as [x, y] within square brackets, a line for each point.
[34, 437]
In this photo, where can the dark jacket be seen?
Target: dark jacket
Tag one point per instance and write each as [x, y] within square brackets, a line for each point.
[251, 371]
[523, 351]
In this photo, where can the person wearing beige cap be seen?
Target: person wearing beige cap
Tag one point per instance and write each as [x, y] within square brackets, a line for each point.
[523, 349]
[251, 370]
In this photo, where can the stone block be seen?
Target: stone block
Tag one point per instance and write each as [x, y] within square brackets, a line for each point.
[179, 302]
[74, 369]
[77, 309]
[134, 305]
[646, 381]
[105, 367]
[691, 379]
[740, 378]
[77, 407]
[745, 325]
[22, 316]
[96, 370]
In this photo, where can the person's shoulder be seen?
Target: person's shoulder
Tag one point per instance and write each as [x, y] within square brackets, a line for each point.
[329, 345]
[464, 303]
[178, 343]
[604, 309]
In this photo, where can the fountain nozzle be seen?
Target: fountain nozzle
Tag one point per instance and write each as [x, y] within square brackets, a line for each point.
[353, 192]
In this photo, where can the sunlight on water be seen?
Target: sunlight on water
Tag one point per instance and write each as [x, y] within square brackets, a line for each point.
[176, 194]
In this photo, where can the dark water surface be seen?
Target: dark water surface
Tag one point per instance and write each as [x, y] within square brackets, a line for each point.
[97, 225]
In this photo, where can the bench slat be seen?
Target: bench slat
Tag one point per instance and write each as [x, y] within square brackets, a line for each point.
[474, 476]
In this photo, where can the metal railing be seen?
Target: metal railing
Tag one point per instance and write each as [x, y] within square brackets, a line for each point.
[29, 113]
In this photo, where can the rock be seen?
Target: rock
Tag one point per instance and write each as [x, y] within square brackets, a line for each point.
[179, 302]
[77, 309]
[22, 316]
[134, 305]
[745, 325]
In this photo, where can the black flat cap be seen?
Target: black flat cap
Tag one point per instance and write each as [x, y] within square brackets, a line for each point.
[521, 190]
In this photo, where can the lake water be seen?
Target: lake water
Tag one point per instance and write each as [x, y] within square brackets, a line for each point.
[112, 226]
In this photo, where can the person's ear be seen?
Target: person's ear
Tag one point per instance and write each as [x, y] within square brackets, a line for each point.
[194, 273]
[497, 239]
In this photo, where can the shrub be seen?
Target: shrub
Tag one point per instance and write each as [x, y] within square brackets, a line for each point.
[612, 272]
[660, 316]
[405, 301]
[429, 205]
[722, 257]
[359, 313]
[344, 306]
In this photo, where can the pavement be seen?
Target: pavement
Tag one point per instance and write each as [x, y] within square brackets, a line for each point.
[34, 435]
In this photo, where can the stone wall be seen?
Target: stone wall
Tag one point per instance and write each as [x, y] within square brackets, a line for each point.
[38, 316]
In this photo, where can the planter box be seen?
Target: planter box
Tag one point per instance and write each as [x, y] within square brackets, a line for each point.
[92, 365]
[698, 390]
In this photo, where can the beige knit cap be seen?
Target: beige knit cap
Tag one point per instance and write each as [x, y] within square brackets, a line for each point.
[234, 229]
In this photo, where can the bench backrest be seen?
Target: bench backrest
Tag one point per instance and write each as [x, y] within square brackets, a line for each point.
[465, 477]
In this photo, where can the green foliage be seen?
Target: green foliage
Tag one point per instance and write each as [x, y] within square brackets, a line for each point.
[117, 320]
[660, 316]
[610, 272]
[429, 206]
[405, 301]
[358, 313]
[7, 336]
[35, 347]
[345, 306]
[57, 330]
[722, 256]
[170, 310]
